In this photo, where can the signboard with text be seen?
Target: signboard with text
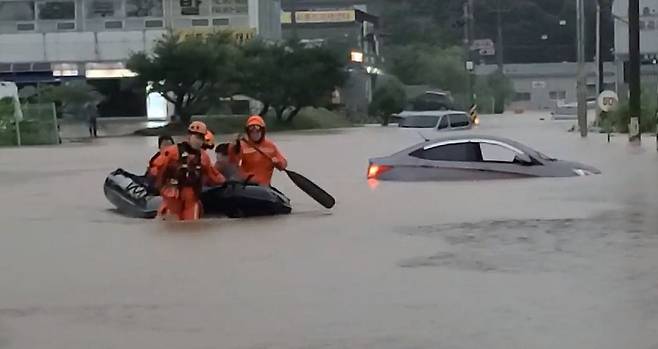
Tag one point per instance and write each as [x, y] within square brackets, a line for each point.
[319, 17]
[608, 100]
[240, 35]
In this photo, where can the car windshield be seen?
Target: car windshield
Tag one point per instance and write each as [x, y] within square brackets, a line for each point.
[419, 121]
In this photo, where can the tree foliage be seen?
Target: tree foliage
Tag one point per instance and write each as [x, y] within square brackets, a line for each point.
[194, 72]
[190, 72]
[389, 98]
[291, 76]
[70, 96]
[427, 65]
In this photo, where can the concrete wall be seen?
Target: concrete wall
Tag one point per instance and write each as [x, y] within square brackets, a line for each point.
[76, 46]
[540, 79]
[546, 92]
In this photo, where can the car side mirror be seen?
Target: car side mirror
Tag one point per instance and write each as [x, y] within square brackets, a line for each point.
[524, 159]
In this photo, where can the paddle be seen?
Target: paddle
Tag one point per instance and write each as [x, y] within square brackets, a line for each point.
[306, 185]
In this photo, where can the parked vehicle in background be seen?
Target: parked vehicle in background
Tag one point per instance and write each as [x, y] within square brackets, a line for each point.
[430, 101]
[439, 120]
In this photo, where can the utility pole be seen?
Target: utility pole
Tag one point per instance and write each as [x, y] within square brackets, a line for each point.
[468, 43]
[293, 18]
[500, 58]
[582, 74]
[599, 50]
[634, 70]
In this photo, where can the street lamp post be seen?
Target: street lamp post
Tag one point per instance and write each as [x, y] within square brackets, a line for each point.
[634, 69]
[582, 76]
[468, 43]
[599, 61]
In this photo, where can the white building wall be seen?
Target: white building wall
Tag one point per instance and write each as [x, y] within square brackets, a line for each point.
[90, 41]
[649, 33]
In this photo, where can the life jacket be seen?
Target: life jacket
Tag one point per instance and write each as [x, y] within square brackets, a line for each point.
[150, 165]
[187, 171]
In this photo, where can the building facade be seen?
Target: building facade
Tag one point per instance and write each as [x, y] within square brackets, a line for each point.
[348, 24]
[541, 86]
[46, 41]
[648, 43]
[69, 36]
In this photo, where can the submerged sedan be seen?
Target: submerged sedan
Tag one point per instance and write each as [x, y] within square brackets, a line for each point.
[471, 158]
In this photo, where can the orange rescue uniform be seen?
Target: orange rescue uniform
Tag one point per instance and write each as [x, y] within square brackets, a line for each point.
[180, 173]
[253, 163]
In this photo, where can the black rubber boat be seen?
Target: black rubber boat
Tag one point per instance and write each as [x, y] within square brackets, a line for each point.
[133, 196]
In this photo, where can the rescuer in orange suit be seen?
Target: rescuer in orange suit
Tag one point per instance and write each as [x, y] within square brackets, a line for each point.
[181, 171]
[257, 156]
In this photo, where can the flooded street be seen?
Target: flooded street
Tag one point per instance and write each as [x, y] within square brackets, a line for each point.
[531, 263]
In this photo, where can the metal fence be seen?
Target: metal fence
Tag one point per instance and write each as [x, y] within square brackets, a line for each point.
[38, 127]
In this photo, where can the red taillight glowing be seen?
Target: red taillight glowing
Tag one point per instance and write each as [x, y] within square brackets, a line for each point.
[375, 171]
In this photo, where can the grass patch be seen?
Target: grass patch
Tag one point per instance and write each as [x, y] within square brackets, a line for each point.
[308, 119]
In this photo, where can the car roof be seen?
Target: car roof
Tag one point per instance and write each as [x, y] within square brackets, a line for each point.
[430, 113]
[472, 138]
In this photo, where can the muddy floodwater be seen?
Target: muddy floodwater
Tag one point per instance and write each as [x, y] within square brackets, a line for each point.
[530, 263]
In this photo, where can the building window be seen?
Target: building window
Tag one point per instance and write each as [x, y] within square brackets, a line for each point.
[25, 27]
[555, 95]
[154, 24]
[200, 22]
[643, 25]
[651, 25]
[218, 22]
[193, 7]
[144, 8]
[49, 10]
[17, 11]
[230, 7]
[521, 96]
[41, 66]
[104, 8]
[113, 25]
[646, 11]
[22, 67]
[65, 26]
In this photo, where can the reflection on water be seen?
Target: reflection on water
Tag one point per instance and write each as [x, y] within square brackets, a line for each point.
[525, 263]
[373, 184]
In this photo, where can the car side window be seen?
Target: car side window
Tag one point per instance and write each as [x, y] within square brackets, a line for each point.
[444, 123]
[459, 120]
[496, 153]
[450, 152]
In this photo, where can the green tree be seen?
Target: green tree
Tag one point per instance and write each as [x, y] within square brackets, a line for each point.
[310, 75]
[260, 73]
[70, 97]
[429, 65]
[389, 98]
[190, 72]
[502, 89]
[290, 76]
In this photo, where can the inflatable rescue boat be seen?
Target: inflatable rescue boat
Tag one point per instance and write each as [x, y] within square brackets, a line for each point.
[133, 196]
